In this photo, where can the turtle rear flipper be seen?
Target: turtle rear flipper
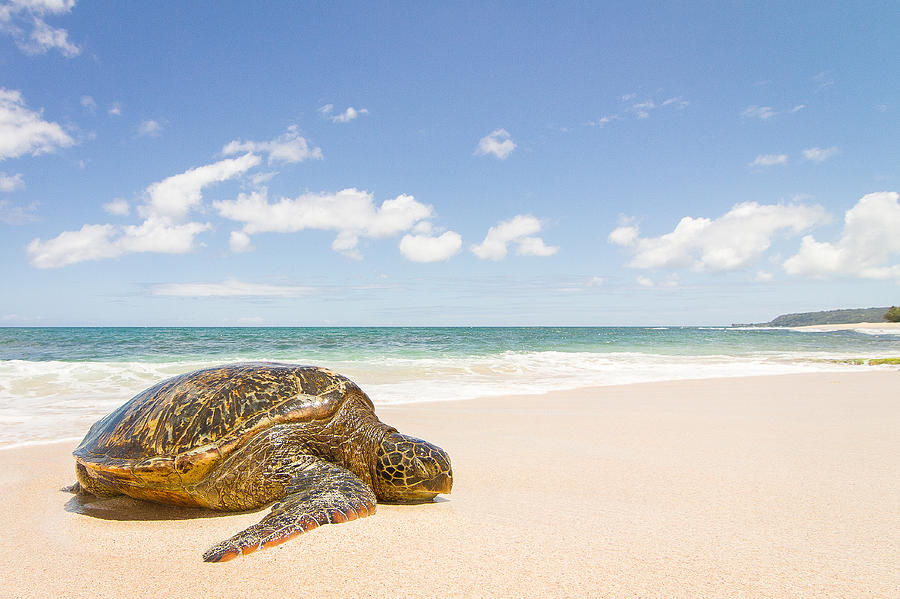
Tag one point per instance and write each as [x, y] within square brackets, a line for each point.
[321, 493]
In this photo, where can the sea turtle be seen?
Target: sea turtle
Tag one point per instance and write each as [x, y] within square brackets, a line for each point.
[240, 436]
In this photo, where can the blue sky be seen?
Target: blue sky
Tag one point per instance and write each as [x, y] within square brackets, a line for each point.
[446, 164]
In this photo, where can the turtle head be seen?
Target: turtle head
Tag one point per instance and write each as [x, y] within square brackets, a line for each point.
[409, 470]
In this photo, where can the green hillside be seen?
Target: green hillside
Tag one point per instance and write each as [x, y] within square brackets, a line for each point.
[801, 319]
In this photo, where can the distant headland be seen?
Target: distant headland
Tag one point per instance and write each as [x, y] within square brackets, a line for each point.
[828, 317]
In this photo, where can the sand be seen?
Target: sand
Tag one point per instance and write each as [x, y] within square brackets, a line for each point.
[893, 327]
[784, 486]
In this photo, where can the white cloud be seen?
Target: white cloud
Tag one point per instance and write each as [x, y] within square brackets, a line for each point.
[88, 103]
[498, 143]
[118, 207]
[23, 131]
[764, 277]
[91, 242]
[763, 113]
[344, 117]
[17, 16]
[642, 109]
[624, 235]
[231, 288]
[351, 213]
[159, 235]
[426, 248]
[604, 120]
[534, 246]
[670, 281]
[175, 196]
[735, 240]
[596, 282]
[239, 242]
[764, 160]
[289, 147]
[820, 154]
[519, 231]
[168, 203]
[149, 128]
[115, 109]
[12, 214]
[868, 248]
[9, 183]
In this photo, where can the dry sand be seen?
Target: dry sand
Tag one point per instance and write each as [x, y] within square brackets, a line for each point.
[784, 486]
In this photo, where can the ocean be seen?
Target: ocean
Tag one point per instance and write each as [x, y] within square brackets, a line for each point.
[55, 382]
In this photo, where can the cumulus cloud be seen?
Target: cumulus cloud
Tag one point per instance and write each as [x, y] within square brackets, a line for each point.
[498, 143]
[239, 242]
[118, 207]
[91, 242]
[163, 230]
[177, 195]
[868, 248]
[9, 183]
[428, 248]
[231, 288]
[149, 128]
[24, 131]
[343, 117]
[115, 109]
[820, 154]
[735, 240]
[290, 147]
[518, 231]
[351, 213]
[764, 160]
[24, 21]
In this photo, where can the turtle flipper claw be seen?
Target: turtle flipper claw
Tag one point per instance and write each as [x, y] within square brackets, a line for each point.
[321, 494]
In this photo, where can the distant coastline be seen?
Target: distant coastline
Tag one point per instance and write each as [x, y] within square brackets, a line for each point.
[871, 316]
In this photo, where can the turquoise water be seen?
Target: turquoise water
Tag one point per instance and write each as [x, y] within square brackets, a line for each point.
[324, 344]
[54, 382]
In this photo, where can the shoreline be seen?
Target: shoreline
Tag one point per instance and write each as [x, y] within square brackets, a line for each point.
[883, 326]
[767, 486]
[848, 365]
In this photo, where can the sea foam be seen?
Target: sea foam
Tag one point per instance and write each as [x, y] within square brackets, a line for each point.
[46, 400]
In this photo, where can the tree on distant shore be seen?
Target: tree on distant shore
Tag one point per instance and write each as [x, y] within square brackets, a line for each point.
[893, 315]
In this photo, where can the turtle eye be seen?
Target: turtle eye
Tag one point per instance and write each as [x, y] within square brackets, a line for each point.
[418, 468]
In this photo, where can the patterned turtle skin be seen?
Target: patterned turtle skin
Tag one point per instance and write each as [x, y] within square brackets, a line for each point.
[241, 436]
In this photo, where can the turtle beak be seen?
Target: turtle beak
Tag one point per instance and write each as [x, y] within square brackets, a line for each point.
[442, 483]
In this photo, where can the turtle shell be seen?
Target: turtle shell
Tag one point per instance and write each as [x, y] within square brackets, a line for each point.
[173, 433]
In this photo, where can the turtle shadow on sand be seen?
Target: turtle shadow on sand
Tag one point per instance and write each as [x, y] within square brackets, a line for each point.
[126, 509]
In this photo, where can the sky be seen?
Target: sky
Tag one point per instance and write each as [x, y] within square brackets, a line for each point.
[446, 164]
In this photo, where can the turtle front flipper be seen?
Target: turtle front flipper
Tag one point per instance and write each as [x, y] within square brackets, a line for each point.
[319, 493]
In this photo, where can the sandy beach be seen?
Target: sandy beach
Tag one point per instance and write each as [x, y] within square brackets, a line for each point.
[781, 486]
[862, 326]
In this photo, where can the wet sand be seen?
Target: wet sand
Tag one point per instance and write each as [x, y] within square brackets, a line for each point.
[782, 486]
